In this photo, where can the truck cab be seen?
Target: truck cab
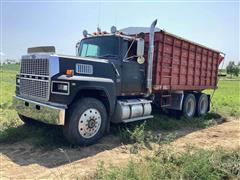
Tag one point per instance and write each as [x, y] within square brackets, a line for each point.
[121, 52]
[105, 82]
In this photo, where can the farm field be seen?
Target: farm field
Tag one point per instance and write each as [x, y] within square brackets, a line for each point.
[161, 144]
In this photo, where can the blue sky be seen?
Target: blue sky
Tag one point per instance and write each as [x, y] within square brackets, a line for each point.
[26, 24]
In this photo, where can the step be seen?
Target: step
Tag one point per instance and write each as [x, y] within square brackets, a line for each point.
[137, 119]
[137, 102]
[166, 105]
[167, 95]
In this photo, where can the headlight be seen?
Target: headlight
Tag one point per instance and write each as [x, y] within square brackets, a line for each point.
[60, 88]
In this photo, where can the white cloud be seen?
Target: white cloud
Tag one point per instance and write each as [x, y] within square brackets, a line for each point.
[2, 54]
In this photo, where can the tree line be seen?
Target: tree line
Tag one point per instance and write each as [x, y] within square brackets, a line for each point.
[233, 69]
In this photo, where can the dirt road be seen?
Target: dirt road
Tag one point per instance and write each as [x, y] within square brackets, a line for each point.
[21, 160]
[226, 135]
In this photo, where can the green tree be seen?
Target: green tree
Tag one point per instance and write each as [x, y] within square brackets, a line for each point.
[236, 70]
[233, 69]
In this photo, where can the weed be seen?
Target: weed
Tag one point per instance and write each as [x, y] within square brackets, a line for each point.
[192, 164]
[137, 134]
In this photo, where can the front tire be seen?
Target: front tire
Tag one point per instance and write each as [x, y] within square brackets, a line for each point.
[86, 122]
[189, 105]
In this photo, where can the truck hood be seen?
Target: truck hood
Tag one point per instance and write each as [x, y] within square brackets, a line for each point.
[84, 58]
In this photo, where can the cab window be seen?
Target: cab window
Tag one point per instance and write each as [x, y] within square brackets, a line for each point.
[89, 50]
[100, 47]
[130, 48]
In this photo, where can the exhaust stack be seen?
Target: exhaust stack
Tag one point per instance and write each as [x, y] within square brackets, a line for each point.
[150, 58]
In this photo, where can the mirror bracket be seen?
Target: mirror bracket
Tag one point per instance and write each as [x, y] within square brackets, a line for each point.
[140, 47]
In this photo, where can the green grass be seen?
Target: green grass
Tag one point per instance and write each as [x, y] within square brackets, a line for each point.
[8, 116]
[8, 75]
[226, 99]
[166, 164]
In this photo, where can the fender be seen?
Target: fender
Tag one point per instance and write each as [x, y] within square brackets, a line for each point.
[110, 98]
[84, 83]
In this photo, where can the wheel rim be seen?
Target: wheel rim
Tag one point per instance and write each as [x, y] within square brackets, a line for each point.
[203, 106]
[89, 123]
[190, 107]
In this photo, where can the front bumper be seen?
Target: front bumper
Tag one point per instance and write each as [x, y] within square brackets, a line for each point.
[48, 113]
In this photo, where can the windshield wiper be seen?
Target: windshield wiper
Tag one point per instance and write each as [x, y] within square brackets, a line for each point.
[108, 56]
[92, 56]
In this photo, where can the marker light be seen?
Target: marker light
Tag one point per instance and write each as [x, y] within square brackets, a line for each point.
[85, 33]
[18, 81]
[70, 72]
[113, 29]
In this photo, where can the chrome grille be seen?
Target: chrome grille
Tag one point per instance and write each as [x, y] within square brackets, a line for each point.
[35, 66]
[34, 88]
[35, 78]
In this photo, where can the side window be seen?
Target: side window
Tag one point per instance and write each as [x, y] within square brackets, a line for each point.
[131, 49]
[84, 50]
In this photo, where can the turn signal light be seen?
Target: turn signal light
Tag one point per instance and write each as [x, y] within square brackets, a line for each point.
[70, 72]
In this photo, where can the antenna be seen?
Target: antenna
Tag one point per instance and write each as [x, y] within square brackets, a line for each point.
[98, 30]
[99, 13]
[115, 14]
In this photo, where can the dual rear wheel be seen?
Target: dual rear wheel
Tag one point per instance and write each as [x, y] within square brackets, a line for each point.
[195, 105]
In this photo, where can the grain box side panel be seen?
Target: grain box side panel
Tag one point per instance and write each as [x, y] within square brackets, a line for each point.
[179, 64]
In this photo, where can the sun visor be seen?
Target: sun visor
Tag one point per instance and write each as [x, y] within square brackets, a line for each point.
[41, 49]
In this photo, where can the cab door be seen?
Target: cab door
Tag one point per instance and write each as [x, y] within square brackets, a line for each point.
[133, 76]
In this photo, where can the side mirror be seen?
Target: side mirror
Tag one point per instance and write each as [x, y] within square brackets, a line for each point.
[140, 47]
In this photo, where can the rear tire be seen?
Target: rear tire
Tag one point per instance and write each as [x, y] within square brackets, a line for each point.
[189, 105]
[202, 104]
[86, 122]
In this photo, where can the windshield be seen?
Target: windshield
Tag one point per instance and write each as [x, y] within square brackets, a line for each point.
[99, 47]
